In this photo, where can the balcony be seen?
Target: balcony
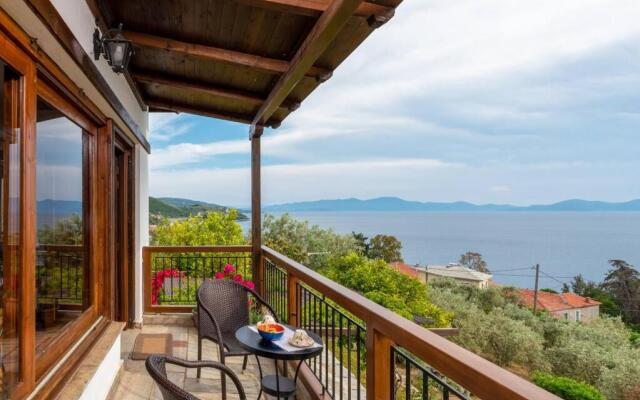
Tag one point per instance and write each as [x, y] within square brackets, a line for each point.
[370, 352]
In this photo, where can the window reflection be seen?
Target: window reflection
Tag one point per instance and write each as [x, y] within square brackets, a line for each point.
[62, 272]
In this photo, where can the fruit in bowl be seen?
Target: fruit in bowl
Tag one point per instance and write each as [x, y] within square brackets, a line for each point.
[270, 331]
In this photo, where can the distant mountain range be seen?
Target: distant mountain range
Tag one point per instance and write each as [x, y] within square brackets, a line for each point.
[172, 207]
[397, 204]
[59, 207]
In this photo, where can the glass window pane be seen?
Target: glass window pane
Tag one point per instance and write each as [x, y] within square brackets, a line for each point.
[62, 269]
[10, 227]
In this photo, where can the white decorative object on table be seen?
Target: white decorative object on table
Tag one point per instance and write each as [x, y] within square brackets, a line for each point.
[300, 338]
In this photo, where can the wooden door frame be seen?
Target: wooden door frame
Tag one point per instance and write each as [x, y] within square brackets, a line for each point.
[126, 302]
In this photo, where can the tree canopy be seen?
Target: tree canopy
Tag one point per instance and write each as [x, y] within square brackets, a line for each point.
[375, 280]
[214, 228]
[474, 261]
[65, 231]
[623, 284]
[385, 247]
[308, 244]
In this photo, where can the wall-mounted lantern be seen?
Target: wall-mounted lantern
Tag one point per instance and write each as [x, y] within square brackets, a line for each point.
[117, 50]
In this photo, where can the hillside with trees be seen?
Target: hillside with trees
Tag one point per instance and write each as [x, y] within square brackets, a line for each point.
[170, 207]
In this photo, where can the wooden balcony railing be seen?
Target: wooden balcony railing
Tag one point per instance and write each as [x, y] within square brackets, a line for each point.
[60, 273]
[173, 273]
[370, 351]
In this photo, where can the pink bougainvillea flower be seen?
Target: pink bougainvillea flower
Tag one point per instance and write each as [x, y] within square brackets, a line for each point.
[229, 269]
[219, 275]
[158, 282]
[237, 278]
[249, 284]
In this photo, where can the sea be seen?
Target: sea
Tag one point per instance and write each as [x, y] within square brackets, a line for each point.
[564, 244]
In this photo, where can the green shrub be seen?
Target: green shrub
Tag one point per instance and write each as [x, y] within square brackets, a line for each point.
[566, 388]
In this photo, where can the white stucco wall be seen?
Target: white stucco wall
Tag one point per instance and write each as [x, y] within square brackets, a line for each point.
[100, 383]
[141, 223]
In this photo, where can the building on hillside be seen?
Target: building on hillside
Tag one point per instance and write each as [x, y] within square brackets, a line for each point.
[457, 272]
[567, 306]
[405, 269]
[454, 271]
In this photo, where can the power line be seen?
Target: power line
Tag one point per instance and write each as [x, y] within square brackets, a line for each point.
[552, 277]
[509, 269]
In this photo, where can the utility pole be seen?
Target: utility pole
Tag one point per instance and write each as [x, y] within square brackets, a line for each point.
[535, 290]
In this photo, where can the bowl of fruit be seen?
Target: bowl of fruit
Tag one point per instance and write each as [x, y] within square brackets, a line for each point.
[270, 331]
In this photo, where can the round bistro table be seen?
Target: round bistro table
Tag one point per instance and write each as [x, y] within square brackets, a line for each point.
[276, 385]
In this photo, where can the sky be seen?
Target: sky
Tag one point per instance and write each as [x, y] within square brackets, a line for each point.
[481, 101]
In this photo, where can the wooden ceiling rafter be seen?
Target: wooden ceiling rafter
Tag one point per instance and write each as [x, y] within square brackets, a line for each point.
[153, 78]
[160, 104]
[314, 8]
[324, 31]
[234, 57]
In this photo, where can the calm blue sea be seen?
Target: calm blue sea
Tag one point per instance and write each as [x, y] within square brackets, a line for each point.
[563, 243]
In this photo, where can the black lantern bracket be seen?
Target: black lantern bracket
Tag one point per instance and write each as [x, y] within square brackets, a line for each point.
[115, 48]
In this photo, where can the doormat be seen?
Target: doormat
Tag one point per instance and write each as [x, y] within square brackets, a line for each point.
[152, 343]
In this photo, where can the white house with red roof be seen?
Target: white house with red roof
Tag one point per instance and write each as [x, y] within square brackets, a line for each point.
[567, 306]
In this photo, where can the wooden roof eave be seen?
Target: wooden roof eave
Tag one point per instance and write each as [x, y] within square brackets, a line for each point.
[273, 105]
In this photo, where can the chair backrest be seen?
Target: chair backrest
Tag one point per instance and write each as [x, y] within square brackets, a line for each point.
[228, 303]
[155, 364]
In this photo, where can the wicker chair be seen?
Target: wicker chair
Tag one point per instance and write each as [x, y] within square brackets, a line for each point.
[156, 366]
[223, 308]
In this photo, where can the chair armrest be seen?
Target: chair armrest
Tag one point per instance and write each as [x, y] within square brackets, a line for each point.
[209, 364]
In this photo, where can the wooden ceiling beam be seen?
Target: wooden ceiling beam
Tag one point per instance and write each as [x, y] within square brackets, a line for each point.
[166, 105]
[314, 8]
[270, 65]
[151, 78]
[325, 30]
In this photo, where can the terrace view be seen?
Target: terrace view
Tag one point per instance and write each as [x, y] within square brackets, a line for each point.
[164, 166]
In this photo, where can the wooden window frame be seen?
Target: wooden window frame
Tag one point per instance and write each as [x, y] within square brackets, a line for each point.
[13, 57]
[71, 332]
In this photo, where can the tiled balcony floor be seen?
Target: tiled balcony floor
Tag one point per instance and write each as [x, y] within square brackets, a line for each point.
[135, 383]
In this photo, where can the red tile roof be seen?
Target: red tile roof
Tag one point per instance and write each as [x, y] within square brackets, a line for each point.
[556, 302]
[405, 269]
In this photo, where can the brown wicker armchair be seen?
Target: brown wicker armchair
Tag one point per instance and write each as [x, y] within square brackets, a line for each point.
[223, 308]
[156, 366]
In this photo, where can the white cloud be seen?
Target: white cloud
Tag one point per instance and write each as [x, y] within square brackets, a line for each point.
[501, 189]
[289, 182]
[166, 126]
[189, 153]
[462, 82]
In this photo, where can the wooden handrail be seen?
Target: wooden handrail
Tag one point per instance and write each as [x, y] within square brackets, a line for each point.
[66, 248]
[198, 249]
[481, 377]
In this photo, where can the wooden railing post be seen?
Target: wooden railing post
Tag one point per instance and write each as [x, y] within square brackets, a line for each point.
[146, 278]
[379, 365]
[292, 300]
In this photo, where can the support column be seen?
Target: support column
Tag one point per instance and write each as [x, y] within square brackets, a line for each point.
[379, 365]
[256, 210]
